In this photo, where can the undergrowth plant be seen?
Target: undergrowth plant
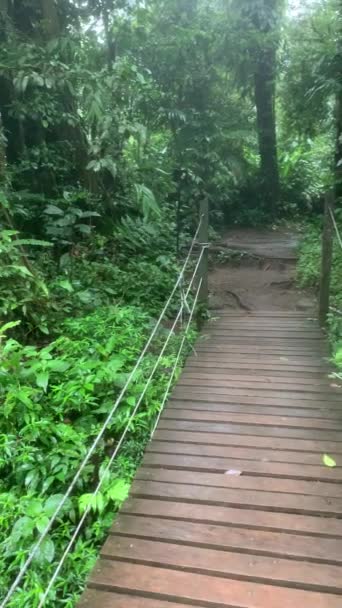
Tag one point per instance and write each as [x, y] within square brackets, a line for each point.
[309, 269]
[55, 400]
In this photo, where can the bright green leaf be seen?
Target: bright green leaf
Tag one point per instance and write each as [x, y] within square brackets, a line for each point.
[329, 461]
[42, 380]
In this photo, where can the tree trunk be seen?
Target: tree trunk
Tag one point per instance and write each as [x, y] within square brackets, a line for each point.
[50, 18]
[264, 80]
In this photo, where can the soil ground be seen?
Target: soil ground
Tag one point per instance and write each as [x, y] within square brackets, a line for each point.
[263, 277]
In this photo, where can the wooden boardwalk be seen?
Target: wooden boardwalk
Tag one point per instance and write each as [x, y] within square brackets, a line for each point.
[232, 506]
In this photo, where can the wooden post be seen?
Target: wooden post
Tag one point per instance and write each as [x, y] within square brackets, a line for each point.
[327, 256]
[203, 237]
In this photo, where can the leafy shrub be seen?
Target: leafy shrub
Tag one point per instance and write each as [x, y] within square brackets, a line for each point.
[23, 292]
[55, 400]
[309, 268]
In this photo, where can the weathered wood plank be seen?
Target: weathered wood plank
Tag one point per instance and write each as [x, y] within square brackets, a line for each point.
[178, 445]
[272, 501]
[310, 525]
[193, 588]
[209, 561]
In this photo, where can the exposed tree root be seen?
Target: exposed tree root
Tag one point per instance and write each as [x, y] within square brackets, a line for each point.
[238, 300]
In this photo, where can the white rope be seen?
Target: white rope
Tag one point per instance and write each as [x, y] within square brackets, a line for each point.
[177, 357]
[93, 447]
[336, 227]
[118, 446]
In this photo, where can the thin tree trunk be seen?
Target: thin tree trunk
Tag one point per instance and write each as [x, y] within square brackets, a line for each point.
[264, 79]
[50, 18]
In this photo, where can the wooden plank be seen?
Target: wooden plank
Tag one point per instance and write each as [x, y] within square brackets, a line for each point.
[263, 334]
[327, 413]
[210, 591]
[283, 572]
[270, 356]
[221, 382]
[258, 323]
[251, 346]
[285, 332]
[258, 542]
[269, 379]
[255, 314]
[281, 400]
[230, 451]
[272, 362]
[254, 441]
[265, 327]
[96, 598]
[230, 516]
[272, 345]
[243, 481]
[252, 431]
[282, 369]
[187, 388]
[273, 353]
[271, 501]
[256, 418]
[248, 467]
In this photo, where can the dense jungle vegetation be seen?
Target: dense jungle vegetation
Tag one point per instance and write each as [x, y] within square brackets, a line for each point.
[117, 117]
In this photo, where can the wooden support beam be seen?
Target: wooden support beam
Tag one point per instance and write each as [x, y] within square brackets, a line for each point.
[327, 256]
[203, 237]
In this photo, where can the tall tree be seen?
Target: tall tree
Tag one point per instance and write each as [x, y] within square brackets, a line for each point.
[258, 25]
[265, 17]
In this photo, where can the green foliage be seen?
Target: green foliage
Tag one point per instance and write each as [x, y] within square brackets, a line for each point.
[55, 400]
[23, 292]
[309, 269]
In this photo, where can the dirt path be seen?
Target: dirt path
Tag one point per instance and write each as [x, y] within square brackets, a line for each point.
[263, 277]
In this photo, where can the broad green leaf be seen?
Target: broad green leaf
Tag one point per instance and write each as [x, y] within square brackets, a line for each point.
[53, 503]
[100, 503]
[84, 502]
[65, 284]
[46, 551]
[84, 228]
[24, 398]
[34, 507]
[42, 523]
[329, 461]
[118, 491]
[42, 380]
[23, 269]
[9, 325]
[58, 365]
[22, 528]
[53, 210]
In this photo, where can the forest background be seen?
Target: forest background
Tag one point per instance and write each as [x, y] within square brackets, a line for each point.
[117, 118]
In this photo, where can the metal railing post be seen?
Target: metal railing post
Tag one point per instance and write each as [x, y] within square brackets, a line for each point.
[327, 257]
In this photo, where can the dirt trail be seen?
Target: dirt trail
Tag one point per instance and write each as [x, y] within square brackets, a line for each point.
[261, 279]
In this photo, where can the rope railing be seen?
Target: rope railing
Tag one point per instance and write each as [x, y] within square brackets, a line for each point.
[183, 307]
[117, 449]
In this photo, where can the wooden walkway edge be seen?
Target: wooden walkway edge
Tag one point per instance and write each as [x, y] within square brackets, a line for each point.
[232, 506]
